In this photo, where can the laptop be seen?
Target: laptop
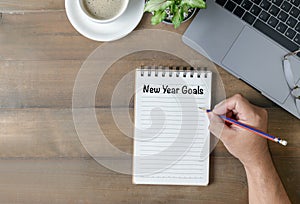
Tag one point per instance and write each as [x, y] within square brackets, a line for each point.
[249, 38]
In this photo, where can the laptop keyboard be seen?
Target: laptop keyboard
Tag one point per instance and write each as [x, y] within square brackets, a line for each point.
[278, 19]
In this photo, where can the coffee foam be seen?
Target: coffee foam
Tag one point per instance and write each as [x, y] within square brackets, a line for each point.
[104, 9]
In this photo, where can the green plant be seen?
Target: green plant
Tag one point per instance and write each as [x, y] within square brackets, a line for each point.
[177, 9]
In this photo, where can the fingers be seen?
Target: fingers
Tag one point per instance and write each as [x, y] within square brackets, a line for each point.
[243, 111]
[217, 126]
[236, 104]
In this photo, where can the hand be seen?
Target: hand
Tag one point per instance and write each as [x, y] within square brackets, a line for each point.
[249, 148]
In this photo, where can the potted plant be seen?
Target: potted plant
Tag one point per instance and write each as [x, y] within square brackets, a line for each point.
[172, 11]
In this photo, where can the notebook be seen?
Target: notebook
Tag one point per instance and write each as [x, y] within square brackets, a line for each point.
[171, 136]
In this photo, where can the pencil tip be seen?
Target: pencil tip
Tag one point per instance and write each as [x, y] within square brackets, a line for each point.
[204, 109]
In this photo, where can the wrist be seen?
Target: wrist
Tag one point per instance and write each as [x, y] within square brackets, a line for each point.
[264, 183]
[257, 154]
[257, 165]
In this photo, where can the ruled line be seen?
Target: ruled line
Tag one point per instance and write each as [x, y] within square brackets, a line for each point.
[171, 125]
[177, 155]
[170, 133]
[162, 144]
[183, 101]
[190, 150]
[170, 111]
[169, 117]
[171, 139]
[177, 171]
[168, 177]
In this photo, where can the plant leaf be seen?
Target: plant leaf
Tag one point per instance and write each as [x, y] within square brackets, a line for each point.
[158, 17]
[185, 8]
[156, 5]
[194, 3]
[172, 8]
[177, 18]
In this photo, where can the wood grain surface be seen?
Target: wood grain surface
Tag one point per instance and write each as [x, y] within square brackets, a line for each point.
[41, 157]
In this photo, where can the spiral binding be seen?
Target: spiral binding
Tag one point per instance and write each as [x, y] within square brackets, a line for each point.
[199, 72]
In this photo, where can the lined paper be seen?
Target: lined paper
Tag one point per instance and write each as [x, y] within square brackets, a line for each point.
[171, 138]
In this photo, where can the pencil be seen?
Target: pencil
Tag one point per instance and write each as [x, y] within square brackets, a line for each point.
[251, 129]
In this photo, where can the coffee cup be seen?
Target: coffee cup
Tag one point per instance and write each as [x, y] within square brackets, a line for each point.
[103, 11]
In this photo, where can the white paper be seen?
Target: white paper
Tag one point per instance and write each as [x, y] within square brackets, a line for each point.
[171, 137]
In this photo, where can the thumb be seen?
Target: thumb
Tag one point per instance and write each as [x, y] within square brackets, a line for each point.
[217, 126]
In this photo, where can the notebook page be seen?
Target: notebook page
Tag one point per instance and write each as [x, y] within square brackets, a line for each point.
[171, 141]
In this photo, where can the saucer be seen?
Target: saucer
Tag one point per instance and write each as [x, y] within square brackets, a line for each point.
[115, 30]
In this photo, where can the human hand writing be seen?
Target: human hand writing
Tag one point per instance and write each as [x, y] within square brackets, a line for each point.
[244, 145]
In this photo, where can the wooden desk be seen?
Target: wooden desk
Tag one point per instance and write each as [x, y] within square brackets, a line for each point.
[41, 158]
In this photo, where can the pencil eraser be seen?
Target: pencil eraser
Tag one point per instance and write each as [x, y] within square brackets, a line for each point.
[283, 142]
